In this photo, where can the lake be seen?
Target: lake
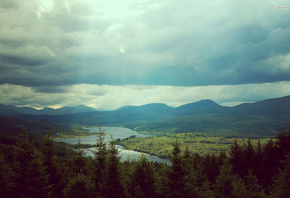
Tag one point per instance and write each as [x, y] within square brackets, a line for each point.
[117, 133]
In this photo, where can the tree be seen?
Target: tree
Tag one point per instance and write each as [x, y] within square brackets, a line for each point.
[114, 186]
[176, 174]
[101, 155]
[142, 182]
[227, 184]
[254, 190]
[7, 184]
[283, 144]
[248, 157]
[235, 157]
[79, 186]
[281, 186]
[48, 153]
[196, 182]
[31, 179]
[270, 163]
[211, 166]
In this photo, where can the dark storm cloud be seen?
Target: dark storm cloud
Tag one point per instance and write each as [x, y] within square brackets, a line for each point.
[50, 89]
[23, 61]
[160, 43]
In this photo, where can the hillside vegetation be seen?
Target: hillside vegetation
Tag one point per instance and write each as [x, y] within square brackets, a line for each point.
[248, 170]
[196, 142]
[260, 119]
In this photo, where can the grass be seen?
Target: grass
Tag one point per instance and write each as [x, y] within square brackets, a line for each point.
[197, 143]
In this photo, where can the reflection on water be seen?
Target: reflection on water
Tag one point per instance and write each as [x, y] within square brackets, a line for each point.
[117, 133]
[129, 155]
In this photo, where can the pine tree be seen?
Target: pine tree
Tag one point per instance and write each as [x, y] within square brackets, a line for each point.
[176, 174]
[235, 157]
[227, 184]
[142, 182]
[79, 186]
[254, 190]
[257, 170]
[281, 187]
[269, 164]
[114, 187]
[101, 155]
[248, 157]
[32, 179]
[211, 167]
[7, 184]
[283, 145]
[48, 153]
[196, 182]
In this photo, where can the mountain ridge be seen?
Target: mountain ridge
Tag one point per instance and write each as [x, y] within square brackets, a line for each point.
[262, 118]
[10, 110]
[273, 106]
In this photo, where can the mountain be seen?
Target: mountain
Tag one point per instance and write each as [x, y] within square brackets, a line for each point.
[153, 108]
[270, 107]
[262, 118]
[69, 110]
[197, 107]
[10, 110]
[26, 110]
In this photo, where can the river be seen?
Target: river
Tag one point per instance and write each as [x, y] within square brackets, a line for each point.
[117, 133]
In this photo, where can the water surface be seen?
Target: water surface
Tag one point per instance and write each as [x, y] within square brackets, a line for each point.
[117, 133]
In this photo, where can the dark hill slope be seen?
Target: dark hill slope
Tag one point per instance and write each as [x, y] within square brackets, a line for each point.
[203, 106]
[270, 107]
[153, 108]
[8, 111]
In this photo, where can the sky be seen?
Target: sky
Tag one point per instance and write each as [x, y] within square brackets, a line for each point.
[109, 54]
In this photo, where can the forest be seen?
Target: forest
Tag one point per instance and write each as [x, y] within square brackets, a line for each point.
[245, 170]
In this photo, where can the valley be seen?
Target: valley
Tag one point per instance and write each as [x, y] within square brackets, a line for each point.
[206, 142]
[217, 124]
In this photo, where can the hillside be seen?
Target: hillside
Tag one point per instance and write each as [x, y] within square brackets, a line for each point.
[262, 118]
[8, 110]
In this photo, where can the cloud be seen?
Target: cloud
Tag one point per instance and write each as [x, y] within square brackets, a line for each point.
[149, 43]
[105, 97]
[92, 52]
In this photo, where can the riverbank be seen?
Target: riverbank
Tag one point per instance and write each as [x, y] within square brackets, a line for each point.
[161, 146]
[79, 135]
[89, 142]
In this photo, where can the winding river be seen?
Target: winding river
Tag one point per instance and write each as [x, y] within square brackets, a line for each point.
[116, 132]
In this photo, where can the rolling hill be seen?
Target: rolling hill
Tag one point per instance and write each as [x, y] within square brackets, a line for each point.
[262, 118]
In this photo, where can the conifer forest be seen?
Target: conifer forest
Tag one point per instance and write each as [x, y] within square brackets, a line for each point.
[246, 170]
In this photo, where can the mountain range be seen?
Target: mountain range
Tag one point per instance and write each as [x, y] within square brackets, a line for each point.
[6, 110]
[260, 118]
[276, 106]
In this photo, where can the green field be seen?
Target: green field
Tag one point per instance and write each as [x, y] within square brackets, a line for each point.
[196, 142]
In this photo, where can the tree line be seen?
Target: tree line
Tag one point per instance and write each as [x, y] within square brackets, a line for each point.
[245, 171]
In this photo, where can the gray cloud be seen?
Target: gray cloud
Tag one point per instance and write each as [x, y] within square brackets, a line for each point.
[53, 45]
[107, 97]
[50, 89]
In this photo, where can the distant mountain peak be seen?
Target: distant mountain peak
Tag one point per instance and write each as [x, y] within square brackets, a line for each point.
[196, 107]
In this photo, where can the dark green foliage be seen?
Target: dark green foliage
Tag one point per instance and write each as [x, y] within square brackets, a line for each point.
[142, 183]
[79, 186]
[7, 185]
[101, 155]
[253, 189]
[228, 184]
[176, 174]
[281, 187]
[48, 153]
[31, 177]
[114, 187]
[27, 172]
